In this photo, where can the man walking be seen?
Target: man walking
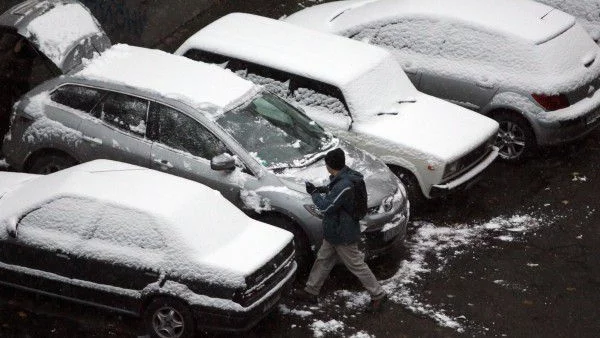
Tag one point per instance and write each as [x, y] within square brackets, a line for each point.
[341, 232]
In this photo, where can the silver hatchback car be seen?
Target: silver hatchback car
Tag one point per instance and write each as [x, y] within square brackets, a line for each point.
[532, 68]
[201, 122]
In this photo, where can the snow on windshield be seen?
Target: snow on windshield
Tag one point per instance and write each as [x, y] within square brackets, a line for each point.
[274, 132]
[56, 31]
[458, 50]
[378, 89]
[587, 12]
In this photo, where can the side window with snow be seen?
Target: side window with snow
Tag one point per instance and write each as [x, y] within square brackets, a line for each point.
[124, 112]
[181, 132]
[127, 228]
[312, 93]
[417, 35]
[53, 220]
[275, 81]
[77, 97]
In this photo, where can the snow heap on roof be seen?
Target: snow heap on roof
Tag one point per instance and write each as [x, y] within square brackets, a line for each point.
[197, 223]
[173, 76]
[529, 20]
[57, 30]
[367, 75]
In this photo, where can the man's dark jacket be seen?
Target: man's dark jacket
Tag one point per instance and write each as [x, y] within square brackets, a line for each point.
[337, 206]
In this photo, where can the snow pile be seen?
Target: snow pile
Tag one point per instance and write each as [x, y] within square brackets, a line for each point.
[3, 164]
[195, 83]
[321, 328]
[431, 249]
[587, 12]
[300, 313]
[56, 31]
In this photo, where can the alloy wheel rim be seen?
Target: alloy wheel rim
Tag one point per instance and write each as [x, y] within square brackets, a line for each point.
[167, 322]
[510, 140]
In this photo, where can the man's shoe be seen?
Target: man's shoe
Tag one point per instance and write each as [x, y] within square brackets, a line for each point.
[303, 296]
[376, 305]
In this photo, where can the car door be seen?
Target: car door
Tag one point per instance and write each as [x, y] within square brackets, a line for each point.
[118, 129]
[432, 58]
[120, 258]
[41, 254]
[184, 147]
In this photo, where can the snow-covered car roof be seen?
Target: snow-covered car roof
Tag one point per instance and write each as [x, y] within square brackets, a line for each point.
[199, 224]
[368, 75]
[528, 20]
[334, 59]
[194, 83]
[56, 28]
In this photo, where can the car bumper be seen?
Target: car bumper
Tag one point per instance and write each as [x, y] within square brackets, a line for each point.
[375, 243]
[562, 131]
[242, 321]
[467, 180]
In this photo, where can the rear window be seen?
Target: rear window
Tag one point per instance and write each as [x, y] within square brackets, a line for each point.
[77, 97]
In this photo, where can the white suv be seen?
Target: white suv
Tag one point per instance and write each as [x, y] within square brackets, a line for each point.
[360, 93]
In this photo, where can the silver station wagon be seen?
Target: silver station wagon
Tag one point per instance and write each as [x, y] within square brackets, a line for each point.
[201, 122]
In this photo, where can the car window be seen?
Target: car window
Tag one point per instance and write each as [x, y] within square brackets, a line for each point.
[275, 81]
[66, 215]
[124, 112]
[204, 56]
[181, 132]
[127, 227]
[312, 93]
[77, 97]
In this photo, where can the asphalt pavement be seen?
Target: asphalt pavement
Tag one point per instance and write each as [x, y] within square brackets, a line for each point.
[517, 255]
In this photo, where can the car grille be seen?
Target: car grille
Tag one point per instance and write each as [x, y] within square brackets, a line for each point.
[261, 281]
[473, 158]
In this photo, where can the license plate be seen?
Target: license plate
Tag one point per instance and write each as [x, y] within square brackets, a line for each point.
[389, 234]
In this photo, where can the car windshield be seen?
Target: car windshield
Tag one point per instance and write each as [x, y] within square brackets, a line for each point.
[275, 133]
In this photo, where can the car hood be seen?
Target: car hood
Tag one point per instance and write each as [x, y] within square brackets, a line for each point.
[9, 181]
[247, 250]
[64, 31]
[429, 126]
[379, 180]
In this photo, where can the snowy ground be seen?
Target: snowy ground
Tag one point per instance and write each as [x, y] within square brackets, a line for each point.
[430, 249]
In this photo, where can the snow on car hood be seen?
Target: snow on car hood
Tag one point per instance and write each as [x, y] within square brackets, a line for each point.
[247, 250]
[430, 126]
[9, 181]
[379, 180]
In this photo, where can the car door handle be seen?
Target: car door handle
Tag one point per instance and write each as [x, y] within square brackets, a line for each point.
[91, 139]
[484, 85]
[151, 274]
[163, 163]
[63, 256]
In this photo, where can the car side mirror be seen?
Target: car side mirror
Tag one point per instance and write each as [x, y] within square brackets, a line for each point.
[222, 162]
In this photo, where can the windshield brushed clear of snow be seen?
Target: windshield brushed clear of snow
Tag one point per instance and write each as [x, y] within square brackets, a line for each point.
[378, 89]
[275, 133]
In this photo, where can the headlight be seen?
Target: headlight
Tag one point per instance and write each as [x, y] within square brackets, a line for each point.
[313, 210]
[388, 203]
[452, 168]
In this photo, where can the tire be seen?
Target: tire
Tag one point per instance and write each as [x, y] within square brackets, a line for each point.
[169, 318]
[304, 255]
[413, 189]
[51, 163]
[516, 140]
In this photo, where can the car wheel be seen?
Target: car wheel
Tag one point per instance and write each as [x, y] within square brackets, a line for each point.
[413, 189]
[516, 140]
[51, 163]
[169, 318]
[304, 256]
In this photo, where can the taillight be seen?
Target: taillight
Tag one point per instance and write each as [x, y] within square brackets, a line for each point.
[550, 103]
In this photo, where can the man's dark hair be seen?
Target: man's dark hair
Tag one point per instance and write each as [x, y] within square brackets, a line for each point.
[336, 159]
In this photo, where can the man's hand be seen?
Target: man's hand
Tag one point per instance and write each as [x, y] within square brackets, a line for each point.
[310, 188]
